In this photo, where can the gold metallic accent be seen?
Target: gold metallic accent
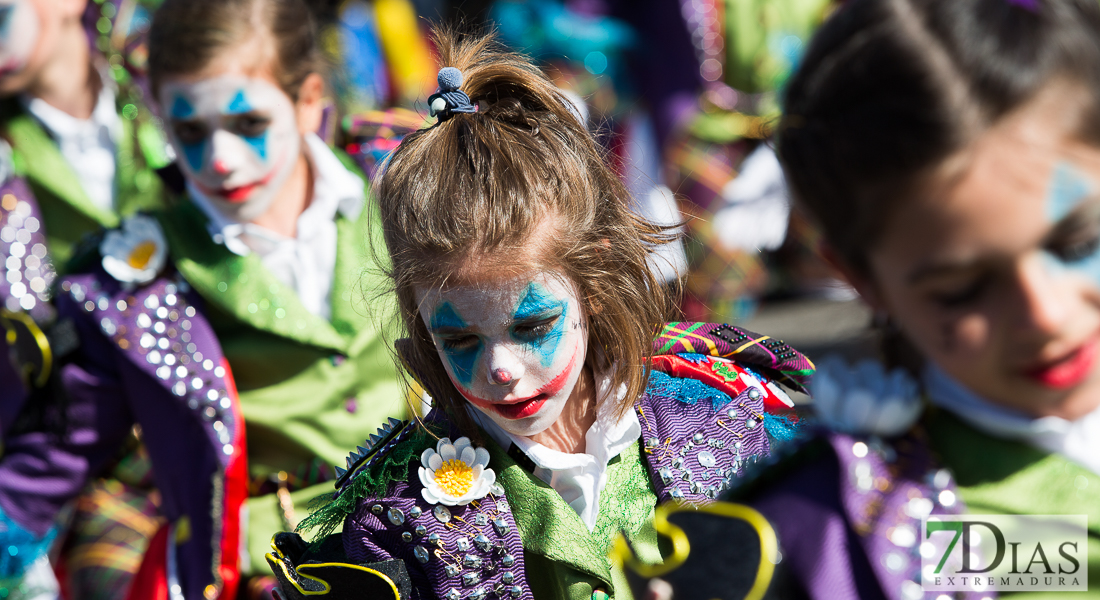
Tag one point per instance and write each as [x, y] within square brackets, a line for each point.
[275, 561]
[621, 555]
[6, 319]
[183, 530]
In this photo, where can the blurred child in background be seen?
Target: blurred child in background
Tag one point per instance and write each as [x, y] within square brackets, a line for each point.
[233, 314]
[950, 150]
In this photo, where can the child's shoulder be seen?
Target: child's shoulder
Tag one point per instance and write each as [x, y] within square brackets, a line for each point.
[763, 355]
[713, 406]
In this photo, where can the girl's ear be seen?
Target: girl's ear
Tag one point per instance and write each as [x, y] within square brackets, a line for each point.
[863, 283]
[311, 104]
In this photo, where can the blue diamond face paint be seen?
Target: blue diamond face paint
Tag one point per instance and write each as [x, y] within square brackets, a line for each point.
[193, 150]
[513, 347]
[539, 304]
[1069, 190]
[1068, 187]
[462, 357]
[239, 138]
[238, 106]
[19, 34]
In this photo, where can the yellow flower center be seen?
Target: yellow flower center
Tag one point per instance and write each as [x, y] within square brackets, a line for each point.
[140, 255]
[454, 477]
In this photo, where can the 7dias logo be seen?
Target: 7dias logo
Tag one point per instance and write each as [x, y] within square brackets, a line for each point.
[1017, 553]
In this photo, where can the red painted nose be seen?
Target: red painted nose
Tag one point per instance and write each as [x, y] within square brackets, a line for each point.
[220, 167]
[502, 376]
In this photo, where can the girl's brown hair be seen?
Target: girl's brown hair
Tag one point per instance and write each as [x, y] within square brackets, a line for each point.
[478, 186]
[186, 36]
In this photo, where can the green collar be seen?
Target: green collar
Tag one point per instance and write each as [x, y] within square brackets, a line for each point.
[38, 159]
[244, 288]
[547, 525]
[1002, 476]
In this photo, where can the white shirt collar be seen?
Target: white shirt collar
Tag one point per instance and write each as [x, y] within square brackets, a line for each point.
[1077, 440]
[579, 478]
[335, 190]
[62, 125]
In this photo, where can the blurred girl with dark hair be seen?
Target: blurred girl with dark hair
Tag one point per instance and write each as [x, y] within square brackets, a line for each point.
[233, 314]
[950, 150]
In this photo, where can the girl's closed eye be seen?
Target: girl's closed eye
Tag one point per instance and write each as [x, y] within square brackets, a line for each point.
[250, 124]
[534, 330]
[1076, 237]
[961, 293]
[1076, 251]
[459, 343]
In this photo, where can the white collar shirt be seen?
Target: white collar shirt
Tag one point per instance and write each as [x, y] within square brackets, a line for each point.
[1077, 440]
[305, 263]
[89, 145]
[579, 478]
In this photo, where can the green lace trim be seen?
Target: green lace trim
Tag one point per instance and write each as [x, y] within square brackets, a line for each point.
[328, 513]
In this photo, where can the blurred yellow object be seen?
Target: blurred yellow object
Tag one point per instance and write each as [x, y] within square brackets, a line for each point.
[406, 50]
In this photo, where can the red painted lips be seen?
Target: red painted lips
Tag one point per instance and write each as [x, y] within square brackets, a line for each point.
[524, 407]
[1069, 370]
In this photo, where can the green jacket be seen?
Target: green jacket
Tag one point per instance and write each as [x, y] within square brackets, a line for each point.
[308, 387]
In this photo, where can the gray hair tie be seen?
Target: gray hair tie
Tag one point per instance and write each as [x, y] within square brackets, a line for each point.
[449, 99]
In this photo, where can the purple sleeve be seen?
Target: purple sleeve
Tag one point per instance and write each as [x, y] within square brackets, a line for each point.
[41, 470]
[814, 535]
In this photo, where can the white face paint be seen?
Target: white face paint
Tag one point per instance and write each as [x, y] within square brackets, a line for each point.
[237, 139]
[514, 348]
[19, 30]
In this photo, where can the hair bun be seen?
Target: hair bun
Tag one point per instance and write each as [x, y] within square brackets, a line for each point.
[450, 79]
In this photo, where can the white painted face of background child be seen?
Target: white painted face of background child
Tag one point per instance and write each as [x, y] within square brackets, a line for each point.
[993, 270]
[19, 32]
[237, 139]
[514, 346]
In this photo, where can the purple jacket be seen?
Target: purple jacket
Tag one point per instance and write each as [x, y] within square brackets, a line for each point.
[848, 518]
[696, 439]
[147, 357]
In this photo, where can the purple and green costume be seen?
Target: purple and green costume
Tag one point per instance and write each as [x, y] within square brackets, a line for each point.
[522, 540]
[847, 509]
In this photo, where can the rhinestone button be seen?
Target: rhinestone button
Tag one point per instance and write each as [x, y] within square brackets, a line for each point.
[441, 513]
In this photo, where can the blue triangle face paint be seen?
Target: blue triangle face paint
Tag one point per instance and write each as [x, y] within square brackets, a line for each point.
[6, 11]
[181, 108]
[463, 361]
[238, 105]
[536, 303]
[1068, 189]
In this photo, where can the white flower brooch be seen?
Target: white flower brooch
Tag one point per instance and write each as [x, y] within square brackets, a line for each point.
[864, 399]
[455, 474]
[135, 253]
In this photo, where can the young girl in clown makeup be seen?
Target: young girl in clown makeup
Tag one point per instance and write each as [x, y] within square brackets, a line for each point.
[532, 320]
[231, 316]
[949, 150]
